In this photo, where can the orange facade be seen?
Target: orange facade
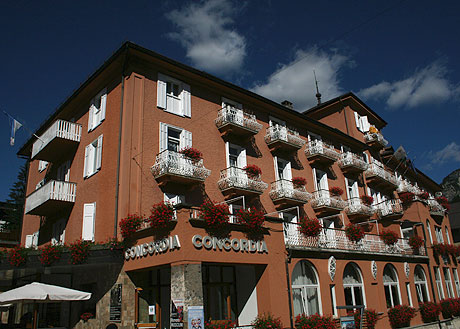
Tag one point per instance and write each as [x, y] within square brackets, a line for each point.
[149, 109]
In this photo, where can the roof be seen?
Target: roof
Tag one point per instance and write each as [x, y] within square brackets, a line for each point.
[340, 98]
[125, 49]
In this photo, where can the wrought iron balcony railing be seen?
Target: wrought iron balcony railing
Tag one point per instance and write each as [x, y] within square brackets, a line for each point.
[357, 207]
[376, 171]
[60, 130]
[284, 135]
[285, 189]
[324, 199]
[237, 178]
[233, 116]
[372, 138]
[47, 198]
[389, 208]
[176, 164]
[318, 148]
[336, 239]
[405, 186]
[353, 161]
[435, 208]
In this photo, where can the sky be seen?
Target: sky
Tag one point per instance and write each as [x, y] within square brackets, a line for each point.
[400, 57]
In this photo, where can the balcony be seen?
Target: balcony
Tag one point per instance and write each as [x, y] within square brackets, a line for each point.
[283, 191]
[51, 198]
[375, 140]
[320, 151]
[389, 208]
[356, 208]
[279, 137]
[378, 176]
[406, 186]
[323, 201]
[175, 167]
[231, 120]
[61, 136]
[336, 240]
[235, 180]
[436, 210]
[352, 163]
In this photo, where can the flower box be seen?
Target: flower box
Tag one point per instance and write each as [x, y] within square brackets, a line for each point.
[415, 242]
[389, 237]
[130, 225]
[354, 233]
[310, 227]
[367, 200]
[161, 215]
[336, 191]
[400, 316]
[407, 197]
[299, 182]
[192, 153]
[253, 171]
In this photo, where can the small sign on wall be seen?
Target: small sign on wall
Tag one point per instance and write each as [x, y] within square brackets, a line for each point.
[115, 303]
[195, 317]
[151, 309]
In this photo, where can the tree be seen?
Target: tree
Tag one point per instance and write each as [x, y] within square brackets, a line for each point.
[16, 198]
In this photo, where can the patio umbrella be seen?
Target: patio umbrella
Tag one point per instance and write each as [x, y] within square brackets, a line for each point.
[37, 292]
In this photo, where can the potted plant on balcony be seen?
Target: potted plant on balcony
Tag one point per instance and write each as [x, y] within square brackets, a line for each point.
[367, 200]
[389, 237]
[161, 215]
[424, 196]
[354, 233]
[439, 249]
[336, 191]
[400, 316]
[50, 254]
[17, 256]
[130, 224]
[415, 242]
[406, 197]
[192, 153]
[443, 202]
[79, 252]
[310, 227]
[215, 216]
[253, 171]
[252, 220]
[299, 182]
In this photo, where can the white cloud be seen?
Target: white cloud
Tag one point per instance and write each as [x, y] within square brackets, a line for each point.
[205, 31]
[450, 153]
[425, 86]
[295, 81]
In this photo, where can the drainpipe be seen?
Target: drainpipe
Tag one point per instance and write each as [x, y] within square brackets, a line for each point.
[288, 282]
[117, 188]
[344, 115]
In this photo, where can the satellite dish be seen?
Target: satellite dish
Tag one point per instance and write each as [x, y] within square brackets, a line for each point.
[438, 194]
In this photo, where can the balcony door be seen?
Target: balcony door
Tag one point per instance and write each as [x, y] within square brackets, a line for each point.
[352, 192]
[328, 236]
[234, 111]
[321, 184]
[236, 161]
[279, 127]
[291, 227]
[63, 172]
[283, 169]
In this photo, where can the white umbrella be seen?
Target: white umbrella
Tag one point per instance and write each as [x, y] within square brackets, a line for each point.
[37, 292]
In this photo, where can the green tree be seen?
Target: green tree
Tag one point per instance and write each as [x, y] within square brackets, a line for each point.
[16, 198]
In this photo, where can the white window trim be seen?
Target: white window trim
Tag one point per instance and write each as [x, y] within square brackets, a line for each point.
[428, 227]
[456, 281]
[448, 282]
[242, 160]
[97, 115]
[302, 287]
[184, 96]
[424, 283]
[184, 141]
[393, 283]
[42, 165]
[353, 285]
[96, 153]
[409, 295]
[93, 222]
[438, 280]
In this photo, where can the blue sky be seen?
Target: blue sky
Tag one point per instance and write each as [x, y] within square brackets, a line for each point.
[400, 57]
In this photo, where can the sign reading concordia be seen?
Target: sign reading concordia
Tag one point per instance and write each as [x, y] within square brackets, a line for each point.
[242, 245]
[155, 247]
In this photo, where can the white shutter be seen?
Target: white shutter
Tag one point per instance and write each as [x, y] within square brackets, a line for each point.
[185, 139]
[365, 123]
[227, 153]
[186, 100]
[35, 239]
[163, 136]
[89, 212]
[161, 91]
[358, 124]
[90, 117]
[29, 241]
[275, 160]
[242, 158]
[103, 106]
[323, 182]
[86, 166]
[287, 171]
[99, 153]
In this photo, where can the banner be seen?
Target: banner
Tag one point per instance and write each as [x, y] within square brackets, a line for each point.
[195, 317]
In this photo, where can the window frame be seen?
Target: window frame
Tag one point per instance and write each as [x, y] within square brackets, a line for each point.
[392, 284]
[183, 99]
[93, 157]
[96, 114]
[304, 287]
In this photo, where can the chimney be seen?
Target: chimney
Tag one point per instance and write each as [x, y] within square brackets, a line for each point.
[287, 104]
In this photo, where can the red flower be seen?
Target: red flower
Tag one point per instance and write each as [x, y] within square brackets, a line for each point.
[161, 214]
[191, 153]
[86, 316]
[130, 225]
[337, 191]
[17, 256]
[430, 311]
[389, 237]
[253, 170]
[79, 251]
[253, 220]
[424, 195]
[415, 242]
[400, 316]
[266, 320]
[354, 232]
[310, 227]
[406, 197]
[443, 202]
[439, 249]
[50, 254]
[215, 216]
[299, 181]
[367, 200]
[314, 321]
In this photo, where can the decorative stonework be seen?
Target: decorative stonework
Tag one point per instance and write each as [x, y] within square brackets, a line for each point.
[407, 269]
[374, 269]
[331, 267]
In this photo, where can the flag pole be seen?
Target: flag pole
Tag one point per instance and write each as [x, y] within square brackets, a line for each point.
[25, 127]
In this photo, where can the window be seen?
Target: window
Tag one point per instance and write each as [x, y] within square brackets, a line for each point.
[447, 234]
[174, 199]
[352, 191]
[63, 172]
[305, 289]
[448, 280]
[438, 232]
[391, 286]
[290, 224]
[97, 110]
[437, 277]
[362, 123]
[59, 232]
[421, 286]
[321, 183]
[42, 165]
[282, 169]
[173, 96]
[93, 157]
[409, 295]
[353, 285]
[89, 216]
[457, 282]
[32, 240]
[428, 228]
[40, 183]
[174, 138]
[236, 155]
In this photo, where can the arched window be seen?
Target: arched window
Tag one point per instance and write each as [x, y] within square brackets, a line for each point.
[305, 289]
[420, 285]
[353, 285]
[391, 285]
[428, 228]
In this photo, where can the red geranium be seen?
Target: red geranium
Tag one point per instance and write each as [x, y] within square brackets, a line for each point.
[299, 181]
[130, 225]
[161, 214]
[215, 215]
[191, 153]
[224, 324]
[406, 197]
[17, 256]
[430, 311]
[354, 233]
[303, 321]
[389, 237]
[310, 227]
[253, 220]
[86, 316]
[50, 254]
[79, 251]
[439, 249]
[266, 321]
[253, 170]
[443, 202]
[415, 242]
[424, 195]
[337, 191]
[400, 316]
[367, 200]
